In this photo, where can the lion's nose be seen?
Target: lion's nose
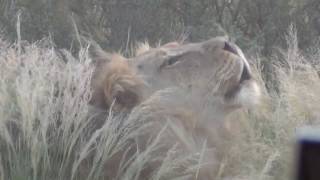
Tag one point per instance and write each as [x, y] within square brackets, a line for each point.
[228, 47]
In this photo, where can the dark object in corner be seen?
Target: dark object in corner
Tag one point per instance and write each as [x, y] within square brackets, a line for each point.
[308, 155]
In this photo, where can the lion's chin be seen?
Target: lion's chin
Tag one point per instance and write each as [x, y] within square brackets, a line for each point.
[248, 95]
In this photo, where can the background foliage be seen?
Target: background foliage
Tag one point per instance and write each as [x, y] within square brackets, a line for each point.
[115, 24]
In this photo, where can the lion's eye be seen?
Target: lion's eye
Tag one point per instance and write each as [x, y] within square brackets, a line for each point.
[170, 62]
[173, 60]
[140, 67]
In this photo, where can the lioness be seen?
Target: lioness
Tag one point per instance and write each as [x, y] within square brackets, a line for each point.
[211, 79]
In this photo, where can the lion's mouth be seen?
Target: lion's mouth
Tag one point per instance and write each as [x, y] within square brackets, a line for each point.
[245, 76]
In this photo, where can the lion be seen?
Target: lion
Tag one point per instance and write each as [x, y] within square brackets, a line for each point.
[216, 67]
[211, 79]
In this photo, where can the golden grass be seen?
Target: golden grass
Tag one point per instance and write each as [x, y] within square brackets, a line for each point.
[48, 130]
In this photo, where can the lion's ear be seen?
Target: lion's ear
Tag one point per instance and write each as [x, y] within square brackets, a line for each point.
[124, 92]
[121, 85]
[98, 55]
[124, 96]
[114, 82]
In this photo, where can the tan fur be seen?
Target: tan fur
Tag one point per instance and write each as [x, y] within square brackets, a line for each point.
[171, 45]
[115, 82]
[142, 48]
[145, 47]
[213, 81]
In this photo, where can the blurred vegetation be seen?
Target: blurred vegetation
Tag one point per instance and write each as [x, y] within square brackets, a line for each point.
[262, 142]
[116, 24]
[48, 131]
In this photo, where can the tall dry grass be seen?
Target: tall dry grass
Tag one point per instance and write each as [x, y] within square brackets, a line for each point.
[48, 130]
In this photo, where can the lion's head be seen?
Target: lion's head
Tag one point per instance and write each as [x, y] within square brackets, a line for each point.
[211, 79]
[216, 69]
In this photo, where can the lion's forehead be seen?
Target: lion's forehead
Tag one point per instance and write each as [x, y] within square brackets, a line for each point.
[190, 50]
[168, 50]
